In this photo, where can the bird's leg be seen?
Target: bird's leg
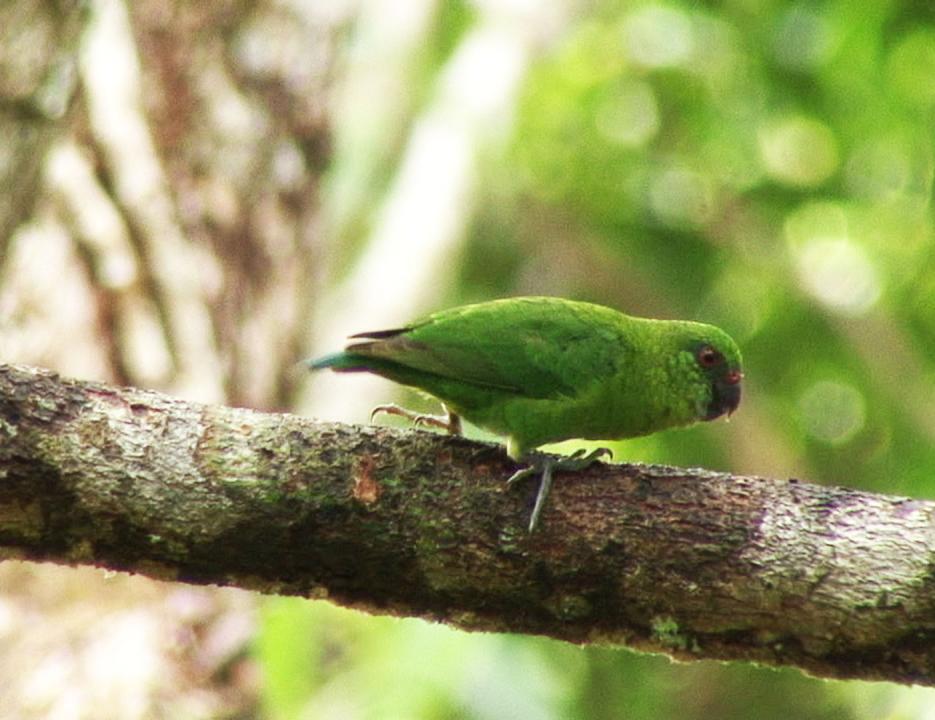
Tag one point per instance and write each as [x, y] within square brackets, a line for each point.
[545, 466]
[450, 422]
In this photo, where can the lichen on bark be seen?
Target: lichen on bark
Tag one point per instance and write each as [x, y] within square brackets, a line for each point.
[693, 563]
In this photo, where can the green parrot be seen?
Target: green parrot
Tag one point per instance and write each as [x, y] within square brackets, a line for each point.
[540, 369]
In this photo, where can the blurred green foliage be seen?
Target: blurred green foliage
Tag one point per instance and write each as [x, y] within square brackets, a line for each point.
[388, 669]
[765, 166]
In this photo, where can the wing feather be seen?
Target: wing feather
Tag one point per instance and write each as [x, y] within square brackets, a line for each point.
[533, 347]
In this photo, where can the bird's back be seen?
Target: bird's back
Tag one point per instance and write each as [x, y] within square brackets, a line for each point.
[538, 369]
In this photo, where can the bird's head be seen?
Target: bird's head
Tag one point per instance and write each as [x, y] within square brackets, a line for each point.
[724, 377]
[715, 365]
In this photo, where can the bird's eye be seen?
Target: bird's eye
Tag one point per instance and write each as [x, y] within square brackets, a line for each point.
[709, 357]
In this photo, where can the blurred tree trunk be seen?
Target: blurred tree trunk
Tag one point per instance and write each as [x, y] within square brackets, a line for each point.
[37, 83]
[185, 183]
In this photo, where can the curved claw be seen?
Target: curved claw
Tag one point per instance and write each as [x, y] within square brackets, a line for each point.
[450, 421]
[521, 474]
[388, 409]
[545, 485]
[547, 465]
[578, 460]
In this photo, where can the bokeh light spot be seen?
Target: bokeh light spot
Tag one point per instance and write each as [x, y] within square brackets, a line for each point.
[656, 36]
[799, 151]
[805, 39]
[832, 412]
[879, 169]
[679, 196]
[837, 272]
[630, 116]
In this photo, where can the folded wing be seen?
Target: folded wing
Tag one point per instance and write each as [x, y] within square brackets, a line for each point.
[536, 347]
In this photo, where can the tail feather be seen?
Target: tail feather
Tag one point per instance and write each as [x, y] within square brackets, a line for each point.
[339, 362]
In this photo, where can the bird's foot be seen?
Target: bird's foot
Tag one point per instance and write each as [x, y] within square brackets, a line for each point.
[580, 459]
[450, 422]
[545, 466]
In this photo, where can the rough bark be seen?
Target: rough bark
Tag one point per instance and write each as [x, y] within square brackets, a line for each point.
[684, 561]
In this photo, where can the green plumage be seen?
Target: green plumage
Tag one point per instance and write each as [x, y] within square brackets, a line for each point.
[540, 370]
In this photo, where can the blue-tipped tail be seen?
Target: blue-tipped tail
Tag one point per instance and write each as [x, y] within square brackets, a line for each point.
[340, 362]
[326, 361]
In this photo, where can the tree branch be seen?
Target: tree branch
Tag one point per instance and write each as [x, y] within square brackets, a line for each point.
[688, 562]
